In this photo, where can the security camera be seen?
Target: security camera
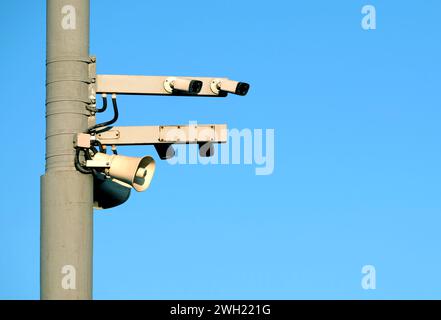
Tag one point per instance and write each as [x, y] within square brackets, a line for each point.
[225, 85]
[165, 151]
[206, 149]
[172, 84]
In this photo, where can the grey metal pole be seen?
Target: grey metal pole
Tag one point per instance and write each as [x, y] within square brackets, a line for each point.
[66, 195]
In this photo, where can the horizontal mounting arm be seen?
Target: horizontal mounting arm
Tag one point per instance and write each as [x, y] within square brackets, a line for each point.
[167, 134]
[152, 85]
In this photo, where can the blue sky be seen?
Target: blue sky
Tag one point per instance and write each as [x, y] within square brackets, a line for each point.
[357, 151]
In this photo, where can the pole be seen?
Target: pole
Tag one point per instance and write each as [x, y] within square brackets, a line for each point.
[66, 195]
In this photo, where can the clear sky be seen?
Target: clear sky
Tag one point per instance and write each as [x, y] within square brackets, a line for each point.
[357, 169]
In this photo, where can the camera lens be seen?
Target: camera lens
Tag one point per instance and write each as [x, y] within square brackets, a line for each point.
[242, 88]
[195, 86]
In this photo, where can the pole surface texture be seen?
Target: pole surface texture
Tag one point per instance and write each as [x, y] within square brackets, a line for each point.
[66, 195]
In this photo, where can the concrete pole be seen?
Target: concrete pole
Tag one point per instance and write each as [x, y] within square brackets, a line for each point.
[66, 195]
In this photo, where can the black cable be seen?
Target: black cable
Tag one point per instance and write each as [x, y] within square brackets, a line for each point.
[107, 123]
[78, 165]
[100, 145]
[87, 154]
[92, 129]
[94, 150]
[104, 105]
[89, 157]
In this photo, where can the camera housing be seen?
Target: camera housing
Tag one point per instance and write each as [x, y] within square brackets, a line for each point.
[224, 85]
[190, 86]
